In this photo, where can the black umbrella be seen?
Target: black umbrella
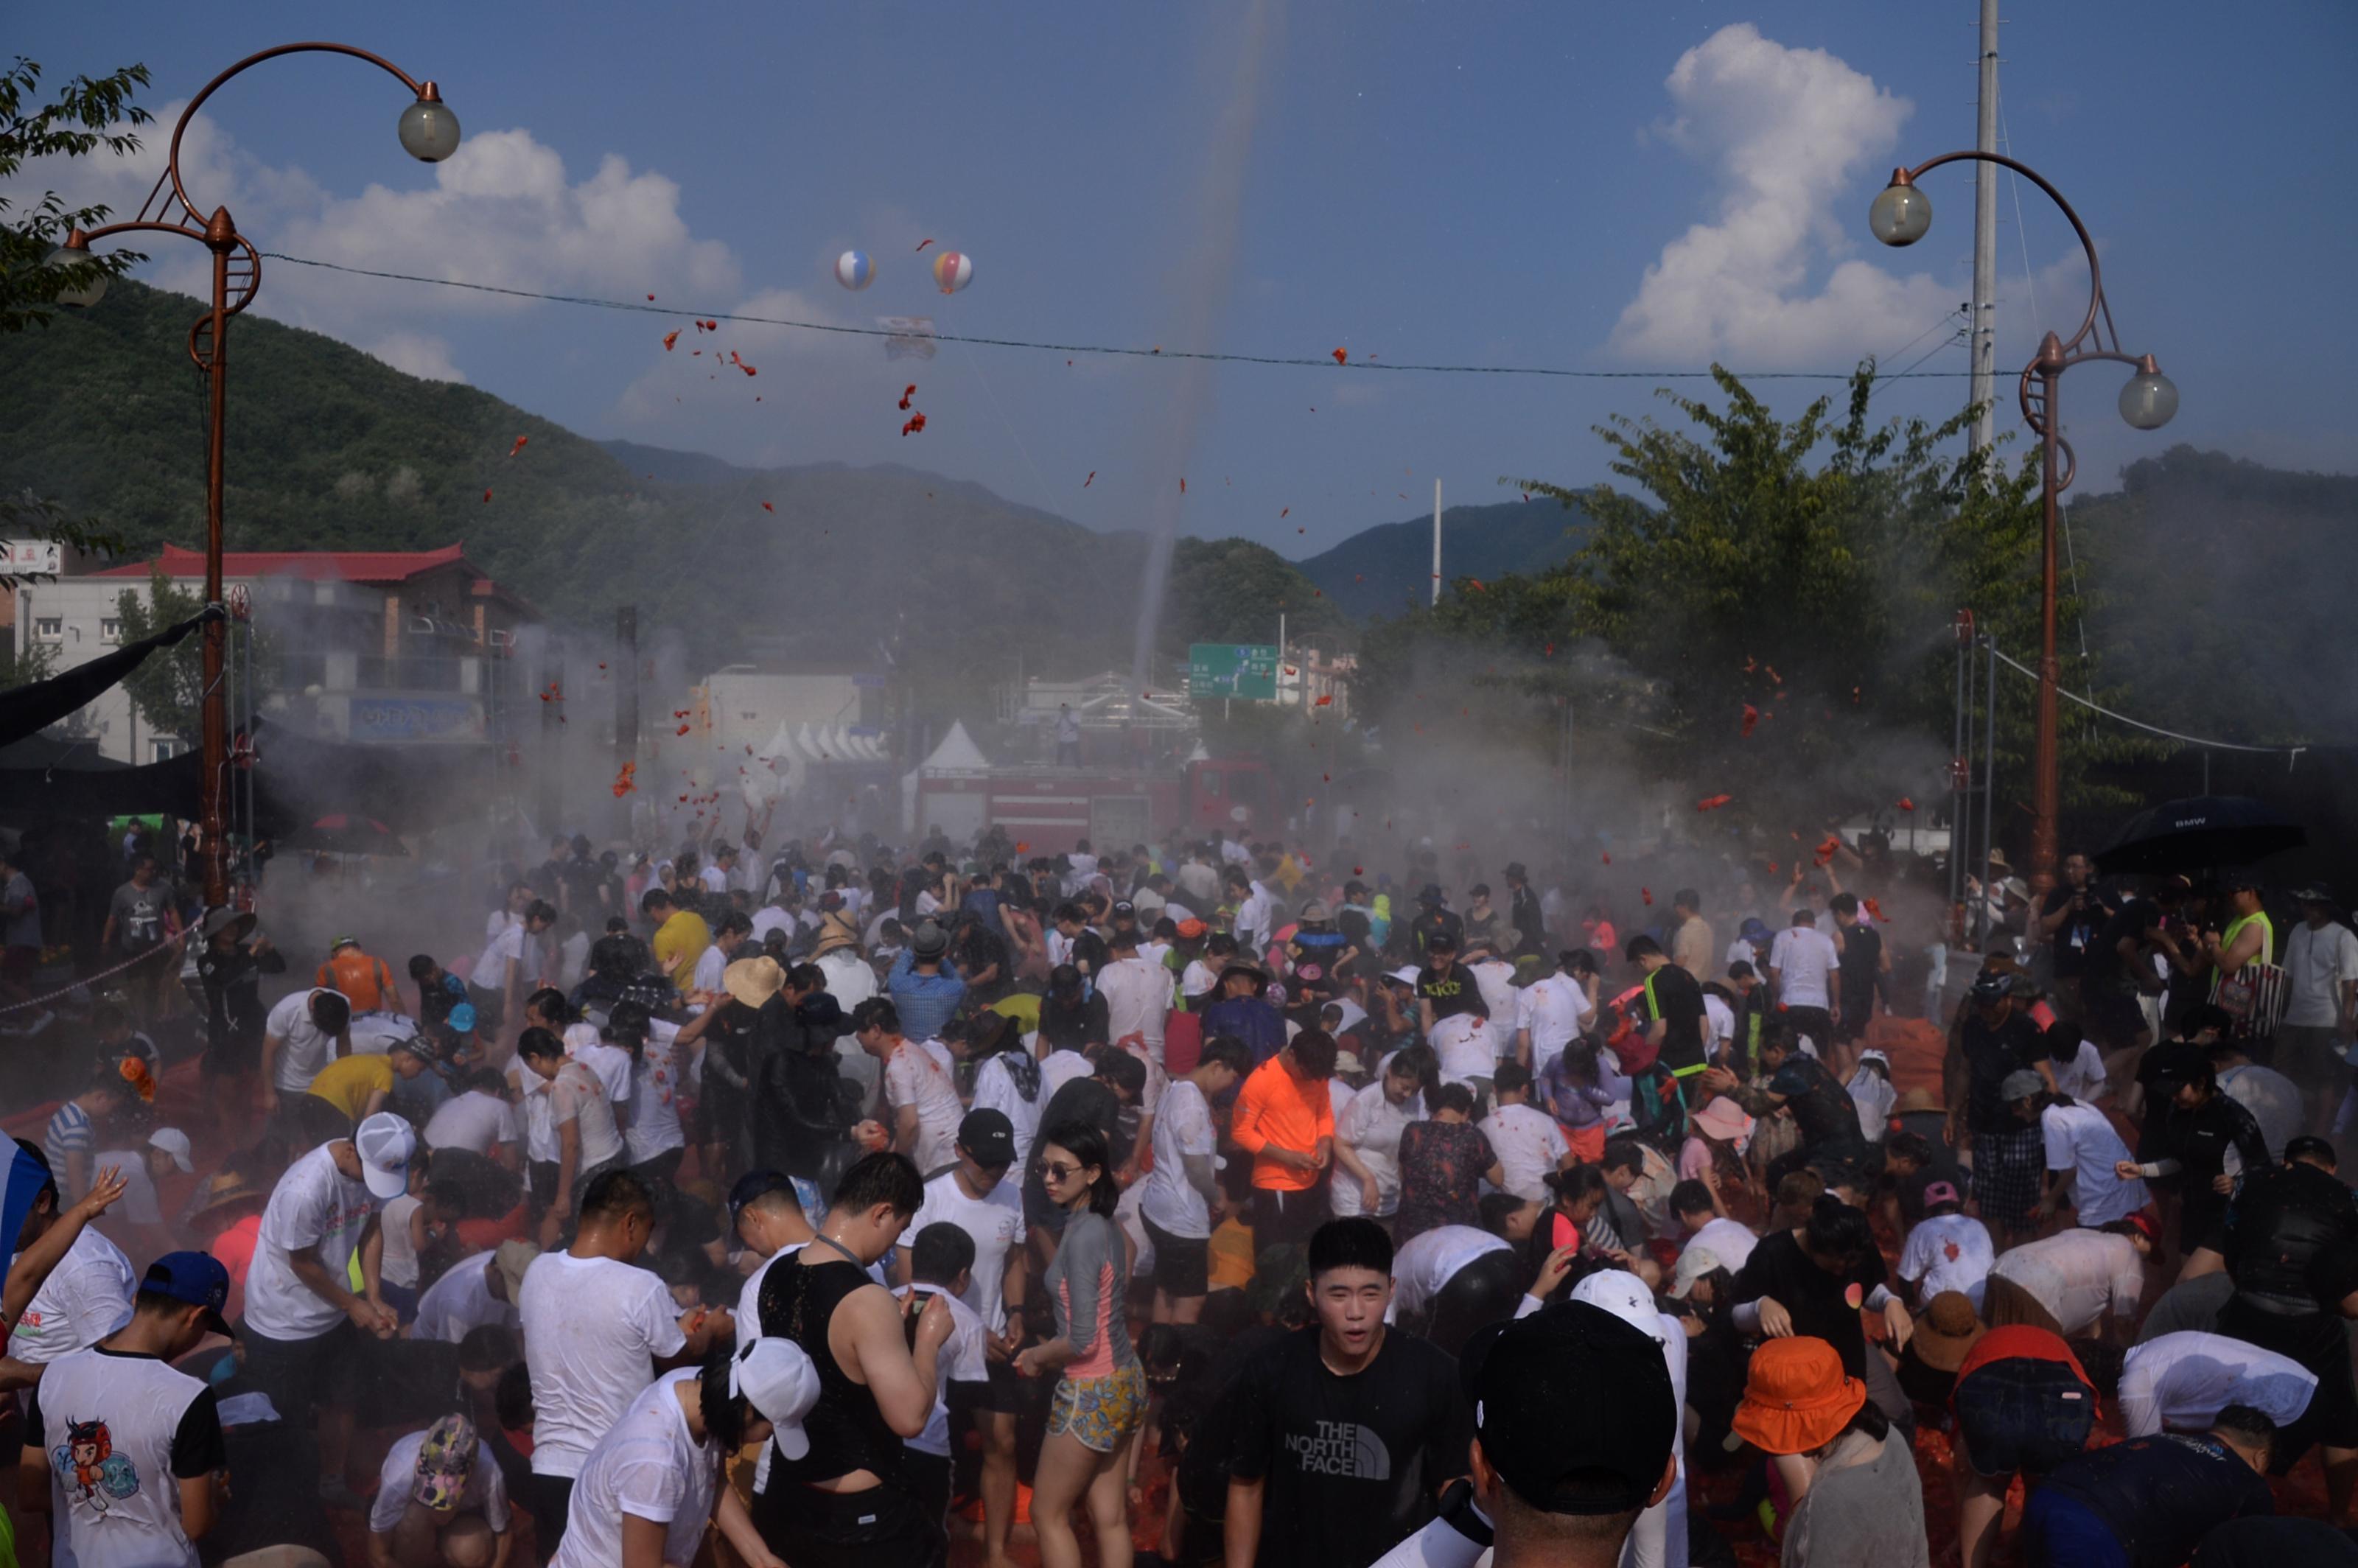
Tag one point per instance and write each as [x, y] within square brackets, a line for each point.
[2205, 831]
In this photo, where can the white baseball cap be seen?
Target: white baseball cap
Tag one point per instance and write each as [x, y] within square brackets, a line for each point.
[175, 1142]
[386, 1144]
[779, 1378]
[1625, 1296]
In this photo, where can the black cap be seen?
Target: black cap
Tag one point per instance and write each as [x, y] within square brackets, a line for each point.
[1574, 1407]
[1990, 985]
[754, 1185]
[1123, 906]
[2239, 882]
[989, 1136]
[1429, 893]
[1515, 872]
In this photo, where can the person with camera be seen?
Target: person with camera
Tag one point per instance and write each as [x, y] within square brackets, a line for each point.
[845, 1501]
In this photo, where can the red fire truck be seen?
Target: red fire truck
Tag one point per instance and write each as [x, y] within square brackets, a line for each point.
[1051, 809]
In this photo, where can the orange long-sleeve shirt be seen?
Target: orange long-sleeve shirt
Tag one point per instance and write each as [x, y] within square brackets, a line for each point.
[1276, 1108]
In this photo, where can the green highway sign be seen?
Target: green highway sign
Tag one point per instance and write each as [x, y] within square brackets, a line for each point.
[1248, 670]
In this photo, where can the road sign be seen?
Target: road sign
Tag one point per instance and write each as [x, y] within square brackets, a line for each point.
[1247, 670]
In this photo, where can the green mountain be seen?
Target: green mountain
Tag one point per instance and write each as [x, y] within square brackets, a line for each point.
[2227, 584]
[1384, 569]
[330, 449]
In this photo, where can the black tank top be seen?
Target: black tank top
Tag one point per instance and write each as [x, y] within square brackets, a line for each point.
[847, 1431]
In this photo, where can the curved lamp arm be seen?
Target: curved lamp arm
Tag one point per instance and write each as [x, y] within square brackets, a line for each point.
[2096, 306]
[427, 93]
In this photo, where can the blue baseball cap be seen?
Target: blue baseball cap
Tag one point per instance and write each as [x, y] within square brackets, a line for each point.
[195, 1278]
[462, 1019]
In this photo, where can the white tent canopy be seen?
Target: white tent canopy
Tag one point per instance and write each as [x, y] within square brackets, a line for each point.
[957, 753]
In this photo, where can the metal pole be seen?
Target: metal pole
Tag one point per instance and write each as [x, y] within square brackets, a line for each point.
[1436, 541]
[2047, 773]
[219, 236]
[1989, 776]
[1960, 776]
[1983, 342]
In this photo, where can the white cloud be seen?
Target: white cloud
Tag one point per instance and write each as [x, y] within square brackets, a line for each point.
[418, 354]
[1786, 132]
[502, 210]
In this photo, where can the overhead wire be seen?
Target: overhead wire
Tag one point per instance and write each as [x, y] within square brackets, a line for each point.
[1303, 362]
[2290, 752]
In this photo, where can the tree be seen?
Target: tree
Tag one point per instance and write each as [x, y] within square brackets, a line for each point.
[86, 117]
[168, 688]
[1764, 605]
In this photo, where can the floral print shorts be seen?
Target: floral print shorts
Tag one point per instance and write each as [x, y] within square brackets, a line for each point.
[1100, 1411]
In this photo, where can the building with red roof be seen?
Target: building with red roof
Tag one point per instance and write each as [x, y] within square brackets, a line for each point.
[381, 645]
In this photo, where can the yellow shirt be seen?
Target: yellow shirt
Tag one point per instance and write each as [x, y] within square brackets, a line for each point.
[679, 943]
[1231, 1256]
[349, 1083]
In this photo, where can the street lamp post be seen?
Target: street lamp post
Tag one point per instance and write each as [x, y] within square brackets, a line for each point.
[1901, 216]
[429, 133]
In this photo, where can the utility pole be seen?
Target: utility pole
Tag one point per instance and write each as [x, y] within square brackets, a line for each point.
[1983, 342]
[1436, 540]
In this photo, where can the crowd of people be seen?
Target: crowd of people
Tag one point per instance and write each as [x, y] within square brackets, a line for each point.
[1211, 1202]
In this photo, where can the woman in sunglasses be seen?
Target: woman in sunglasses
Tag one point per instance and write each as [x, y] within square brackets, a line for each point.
[1101, 1396]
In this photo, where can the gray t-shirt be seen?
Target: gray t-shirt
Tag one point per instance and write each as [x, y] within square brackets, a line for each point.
[138, 916]
[1086, 1280]
[1870, 1513]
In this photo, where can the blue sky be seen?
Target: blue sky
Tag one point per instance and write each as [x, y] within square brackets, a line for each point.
[1483, 184]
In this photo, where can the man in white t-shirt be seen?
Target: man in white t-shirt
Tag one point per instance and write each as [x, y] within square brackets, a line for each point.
[87, 1295]
[475, 1291]
[595, 1328]
[1468, 1052]
[1548, 1013]
[1494, 977]
[441, 1499]
[306, 1031]
[478, 1120]
[166, 1149]
[132, 1446]
[1947, 1249]
[302, 1321]
[661, 1466]
[2179, 1382]
[579, 1115]
[2321, 961]
[509, 969]
[2086, 1280]
[919, 1090]
[2084, 1154]
[1527, 1141]
[1801, 963]
[1138, 994]
[1174, 1205]
[939, 1262]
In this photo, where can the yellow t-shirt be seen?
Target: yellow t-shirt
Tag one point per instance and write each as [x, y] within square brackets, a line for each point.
[350, 1082]
[679, 943]
[1231, 1256]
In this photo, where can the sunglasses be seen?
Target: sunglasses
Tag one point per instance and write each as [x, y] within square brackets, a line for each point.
[1056, 1172]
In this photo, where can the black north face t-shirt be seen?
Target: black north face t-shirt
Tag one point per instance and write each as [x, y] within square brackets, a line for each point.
[1353, 1465]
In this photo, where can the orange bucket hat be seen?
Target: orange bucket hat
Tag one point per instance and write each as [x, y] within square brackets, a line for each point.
[1796, 1397]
